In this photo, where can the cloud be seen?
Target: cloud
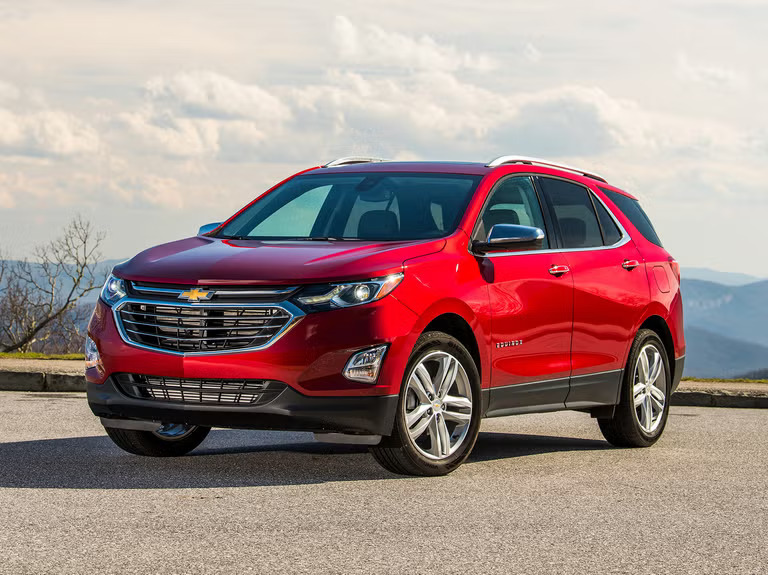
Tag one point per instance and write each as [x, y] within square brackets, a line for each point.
[45, 133]
[6, 199]
[373, 46]
[710, 76]
[531, 53]
[206, 114]
[206, 94]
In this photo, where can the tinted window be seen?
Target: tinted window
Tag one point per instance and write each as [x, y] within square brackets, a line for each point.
[611, 233]
[513, 201]
[574, 213]
[376, 206]
[635, 214]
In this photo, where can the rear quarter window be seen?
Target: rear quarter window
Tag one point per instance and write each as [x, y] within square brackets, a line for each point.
[635, 214]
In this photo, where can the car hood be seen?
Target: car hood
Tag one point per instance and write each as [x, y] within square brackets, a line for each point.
[206, 261]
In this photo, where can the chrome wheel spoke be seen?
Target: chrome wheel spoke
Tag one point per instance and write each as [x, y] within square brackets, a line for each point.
[643, 367]
[655, 369]
[659, 404]
[414, 416]
[446, 375]
[425, 380]
[418, 388]
[647, 413]
[418, 430]
[657, 394]
[457, 416]
[451, 401]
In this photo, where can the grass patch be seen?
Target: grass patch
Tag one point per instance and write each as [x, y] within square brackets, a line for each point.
[716, 380]
[30, 355]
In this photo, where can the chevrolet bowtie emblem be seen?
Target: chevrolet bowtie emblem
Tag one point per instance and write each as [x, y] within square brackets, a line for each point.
[196, 295]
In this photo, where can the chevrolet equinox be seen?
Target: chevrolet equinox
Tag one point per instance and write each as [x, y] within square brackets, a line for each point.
[394, 305]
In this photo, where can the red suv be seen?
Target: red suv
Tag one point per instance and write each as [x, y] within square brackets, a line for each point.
[395, 304]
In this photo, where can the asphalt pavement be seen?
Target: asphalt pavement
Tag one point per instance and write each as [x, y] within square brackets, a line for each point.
[540, 494]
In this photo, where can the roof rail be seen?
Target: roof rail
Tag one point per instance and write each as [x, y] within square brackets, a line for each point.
[353, 160]
[501, 160]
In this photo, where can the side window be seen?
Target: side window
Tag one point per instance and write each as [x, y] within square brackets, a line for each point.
[611, 233]
[635, 214]
[298, 219]
[574, 213]
[513, 201]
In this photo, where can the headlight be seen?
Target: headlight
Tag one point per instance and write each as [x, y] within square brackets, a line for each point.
[330, 296]
[113, 290]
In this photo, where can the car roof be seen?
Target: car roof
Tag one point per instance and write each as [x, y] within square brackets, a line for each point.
[455, 167]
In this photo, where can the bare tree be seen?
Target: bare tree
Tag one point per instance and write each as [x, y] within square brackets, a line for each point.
[37, 296]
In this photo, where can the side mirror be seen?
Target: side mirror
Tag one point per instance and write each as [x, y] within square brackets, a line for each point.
[208, 228]
[510, 238]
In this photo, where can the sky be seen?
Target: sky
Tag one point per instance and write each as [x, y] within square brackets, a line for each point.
[151, 119]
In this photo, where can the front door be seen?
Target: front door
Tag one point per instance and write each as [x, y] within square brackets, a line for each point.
[531, 295]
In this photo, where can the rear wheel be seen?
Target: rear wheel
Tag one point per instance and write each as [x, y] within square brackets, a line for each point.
[641, 415]
[169, 440]
[438, 415]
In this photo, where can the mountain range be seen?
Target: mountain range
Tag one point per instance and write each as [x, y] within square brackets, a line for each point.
[725, 328]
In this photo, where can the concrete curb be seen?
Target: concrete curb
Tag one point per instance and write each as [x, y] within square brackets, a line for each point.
[38, 381]
[695, 398]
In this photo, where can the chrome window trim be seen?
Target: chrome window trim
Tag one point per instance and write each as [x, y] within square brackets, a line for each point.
[623, 240]
[293, 311]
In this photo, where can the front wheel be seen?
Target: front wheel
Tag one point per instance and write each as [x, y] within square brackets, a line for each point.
[169, 440]
[641, 415]
[438, 414]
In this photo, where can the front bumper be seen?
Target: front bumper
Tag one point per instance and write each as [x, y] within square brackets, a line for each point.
[290, 410]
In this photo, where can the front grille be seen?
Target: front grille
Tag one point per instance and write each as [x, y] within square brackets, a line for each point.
[200, 328]
[201, 391]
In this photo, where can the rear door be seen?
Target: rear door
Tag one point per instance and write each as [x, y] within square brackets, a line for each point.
[531, 306]
[610, 290]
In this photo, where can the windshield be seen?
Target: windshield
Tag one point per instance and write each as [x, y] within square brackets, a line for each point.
[370, 206]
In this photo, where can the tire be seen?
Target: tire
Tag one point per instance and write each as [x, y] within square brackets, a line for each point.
[153, 444]
[451, 418]
[631, 426]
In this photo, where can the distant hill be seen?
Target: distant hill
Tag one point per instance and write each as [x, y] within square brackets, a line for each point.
[725, 278]
[738, 312]
[712, 355]
[759, 374]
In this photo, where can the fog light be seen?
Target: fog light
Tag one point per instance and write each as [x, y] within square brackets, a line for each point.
[364, 365]
[92, 358]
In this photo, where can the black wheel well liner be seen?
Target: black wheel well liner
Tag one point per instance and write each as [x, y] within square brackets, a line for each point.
[456, 326]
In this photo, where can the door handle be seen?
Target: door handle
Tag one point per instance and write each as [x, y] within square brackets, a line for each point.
[629, 265]
[558, 271]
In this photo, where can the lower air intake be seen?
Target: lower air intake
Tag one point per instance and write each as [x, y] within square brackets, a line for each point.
[200, 391]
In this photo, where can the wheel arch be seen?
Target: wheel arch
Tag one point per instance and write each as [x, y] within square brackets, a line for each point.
[658, 325]
[457, 319]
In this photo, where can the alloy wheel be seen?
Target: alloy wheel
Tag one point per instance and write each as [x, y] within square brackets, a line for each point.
[438, 405]
[649, 388]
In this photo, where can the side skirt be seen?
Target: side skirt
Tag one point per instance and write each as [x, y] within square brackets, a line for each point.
[595, 393]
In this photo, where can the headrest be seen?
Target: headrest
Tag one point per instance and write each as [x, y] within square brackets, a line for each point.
[378, 224]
